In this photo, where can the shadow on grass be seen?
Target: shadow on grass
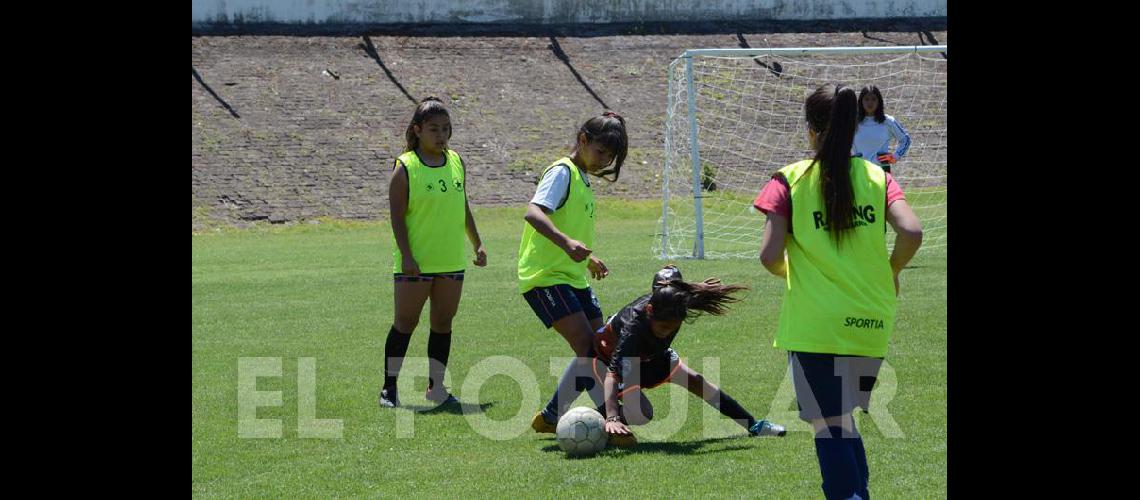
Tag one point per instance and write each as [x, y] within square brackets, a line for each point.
[451, 409]
[666, 448]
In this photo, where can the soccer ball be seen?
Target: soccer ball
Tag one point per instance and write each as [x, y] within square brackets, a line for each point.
[581, 432]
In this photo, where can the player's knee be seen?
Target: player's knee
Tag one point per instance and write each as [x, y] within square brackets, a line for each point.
[406, 324]
[583, 347]
[639, 416]
[647, 410]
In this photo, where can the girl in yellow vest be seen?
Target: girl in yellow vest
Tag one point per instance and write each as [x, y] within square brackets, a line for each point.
[430, 217]
[555, 251]
[829, 214]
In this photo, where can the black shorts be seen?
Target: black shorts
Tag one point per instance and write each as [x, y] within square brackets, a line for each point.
[829, 385]
[552, 303]
[401, 277]
[650, 374]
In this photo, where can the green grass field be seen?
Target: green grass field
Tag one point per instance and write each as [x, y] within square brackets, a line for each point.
[325, 292]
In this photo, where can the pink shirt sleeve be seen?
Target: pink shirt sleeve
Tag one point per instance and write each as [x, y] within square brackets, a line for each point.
[894, 190]
[775, 197]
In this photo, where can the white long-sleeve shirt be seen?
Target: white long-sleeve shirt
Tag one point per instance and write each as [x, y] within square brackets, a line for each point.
[873, 138]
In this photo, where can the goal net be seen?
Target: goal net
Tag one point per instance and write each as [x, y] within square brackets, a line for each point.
[735, 116]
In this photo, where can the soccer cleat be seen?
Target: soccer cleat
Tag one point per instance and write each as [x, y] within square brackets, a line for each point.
[623, 440]
[540, 425]
[389, 398]
[440, 397]
[766, 428]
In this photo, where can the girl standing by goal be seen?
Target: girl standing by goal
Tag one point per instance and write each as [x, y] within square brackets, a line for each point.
[876, 129]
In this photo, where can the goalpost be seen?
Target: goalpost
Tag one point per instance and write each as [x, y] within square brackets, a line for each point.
[735, 116]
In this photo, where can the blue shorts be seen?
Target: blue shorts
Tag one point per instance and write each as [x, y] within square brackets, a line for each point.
[552, 303]
[830, 385]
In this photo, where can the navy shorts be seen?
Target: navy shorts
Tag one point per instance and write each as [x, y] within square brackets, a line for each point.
[401, 277]
[552, 303]
[830, 385]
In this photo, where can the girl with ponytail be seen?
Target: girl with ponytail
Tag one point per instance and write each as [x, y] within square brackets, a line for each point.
[825, 234]
[632, 352]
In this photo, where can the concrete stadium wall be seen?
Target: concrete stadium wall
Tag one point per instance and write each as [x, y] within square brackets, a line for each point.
[213, 13]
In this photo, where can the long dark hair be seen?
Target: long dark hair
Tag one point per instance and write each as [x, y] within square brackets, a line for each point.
[429, 107]
[675, 299]
[880, 115]
[609, 129]
[831, 112]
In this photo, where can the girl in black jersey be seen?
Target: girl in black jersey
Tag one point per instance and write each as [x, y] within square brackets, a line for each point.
[632, 353]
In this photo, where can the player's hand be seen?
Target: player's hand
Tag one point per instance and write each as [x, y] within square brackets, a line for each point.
[597, 268]
[409, 266]
[480, 257]
[888, 158]
[617, 427]
[577, 251]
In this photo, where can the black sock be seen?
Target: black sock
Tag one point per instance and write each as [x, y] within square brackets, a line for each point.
[837, 464]
[395, 347]
[861, 463]
[731, 409]
[439, 349]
